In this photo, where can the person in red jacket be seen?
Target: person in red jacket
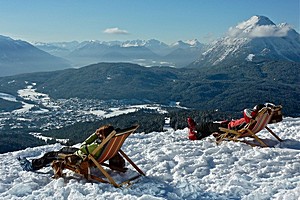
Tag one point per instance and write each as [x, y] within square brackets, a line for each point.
[205, 129]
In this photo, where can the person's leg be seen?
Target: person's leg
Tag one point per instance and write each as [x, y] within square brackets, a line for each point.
[58, 167]
[205, 129]
[46, 159]
[51, 156]
[71, 160]
[192, 134]
[214, 126]
[68, 150]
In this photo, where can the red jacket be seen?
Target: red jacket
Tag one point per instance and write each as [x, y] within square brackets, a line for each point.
[235, 123]
[248, 115]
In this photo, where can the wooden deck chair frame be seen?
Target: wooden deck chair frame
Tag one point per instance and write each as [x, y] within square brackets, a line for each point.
[111, 146]
[251, 129]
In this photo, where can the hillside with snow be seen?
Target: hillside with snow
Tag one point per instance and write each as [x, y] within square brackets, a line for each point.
[176, 168]
[255, 40]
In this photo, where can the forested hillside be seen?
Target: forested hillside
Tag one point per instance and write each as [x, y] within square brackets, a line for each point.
[227, 88]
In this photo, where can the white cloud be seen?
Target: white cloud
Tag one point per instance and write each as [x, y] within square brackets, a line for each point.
[269, 31]
[115, 30]
[259, 31]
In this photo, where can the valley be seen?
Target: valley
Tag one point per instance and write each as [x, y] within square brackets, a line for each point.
[44, 113]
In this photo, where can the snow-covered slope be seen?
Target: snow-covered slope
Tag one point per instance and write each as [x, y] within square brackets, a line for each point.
[255, 39]
[176, 168]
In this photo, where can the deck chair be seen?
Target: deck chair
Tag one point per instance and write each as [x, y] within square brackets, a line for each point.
[251, 129]
[111, 146]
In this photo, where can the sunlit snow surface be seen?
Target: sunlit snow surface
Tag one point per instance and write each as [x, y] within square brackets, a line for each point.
[176, 168]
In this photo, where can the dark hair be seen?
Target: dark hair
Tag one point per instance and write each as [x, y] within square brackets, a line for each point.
[105, 130]
[258, 107]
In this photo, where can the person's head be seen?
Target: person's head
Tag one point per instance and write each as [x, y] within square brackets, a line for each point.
[258, 107]
[104, 131]
[249, 114]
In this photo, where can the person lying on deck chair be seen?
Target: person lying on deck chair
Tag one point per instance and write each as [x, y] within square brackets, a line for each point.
[205, 129]
[77, 155]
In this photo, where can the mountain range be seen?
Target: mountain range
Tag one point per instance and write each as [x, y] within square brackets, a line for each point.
[257, 61]
[255, 40]
[17, 56]
[144, 52]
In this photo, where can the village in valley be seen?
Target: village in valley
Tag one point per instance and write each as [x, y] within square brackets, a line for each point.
[41, 113]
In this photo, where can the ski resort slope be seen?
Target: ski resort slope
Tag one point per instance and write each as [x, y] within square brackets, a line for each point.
[176, 168]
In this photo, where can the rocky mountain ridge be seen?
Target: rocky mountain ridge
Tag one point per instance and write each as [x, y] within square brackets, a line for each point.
[255, 40]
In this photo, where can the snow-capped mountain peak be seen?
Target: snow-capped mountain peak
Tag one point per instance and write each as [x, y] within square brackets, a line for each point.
[257, 38]
[145, 43]
[255, 21]
[186, 43]
[258, 26]
[193, 42]
[133, 43]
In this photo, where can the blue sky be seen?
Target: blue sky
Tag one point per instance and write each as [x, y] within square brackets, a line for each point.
[107, 20]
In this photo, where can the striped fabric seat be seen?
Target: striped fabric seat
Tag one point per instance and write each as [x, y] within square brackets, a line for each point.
[251, 129]
[262, 121]
[113, 146]
[259, 124]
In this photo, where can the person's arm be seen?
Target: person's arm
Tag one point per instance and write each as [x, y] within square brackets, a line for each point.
[90, 139]
[237, 124]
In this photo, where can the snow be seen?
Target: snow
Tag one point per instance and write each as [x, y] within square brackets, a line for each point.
[254, 21]
[176, 168]
[112, 112]
[259, 26]
[29, 93]
[7, 97]
[40, 136]
[25, 108]
[250, 57]
[252, 36]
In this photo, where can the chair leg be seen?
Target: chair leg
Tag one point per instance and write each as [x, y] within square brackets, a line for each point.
[278, 138]
[111, 180]
[131, 162]
[260, 141]
[221, 138]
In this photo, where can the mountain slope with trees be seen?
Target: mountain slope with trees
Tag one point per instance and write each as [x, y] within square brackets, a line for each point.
[228, 88]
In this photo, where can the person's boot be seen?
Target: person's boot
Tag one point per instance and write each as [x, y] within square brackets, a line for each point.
[192, 129]
[25, 164]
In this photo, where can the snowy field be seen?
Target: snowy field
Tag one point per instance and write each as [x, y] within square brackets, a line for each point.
[175, 168]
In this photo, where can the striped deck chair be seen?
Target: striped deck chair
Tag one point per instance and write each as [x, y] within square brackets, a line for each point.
[251, 129]
[111, 146]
